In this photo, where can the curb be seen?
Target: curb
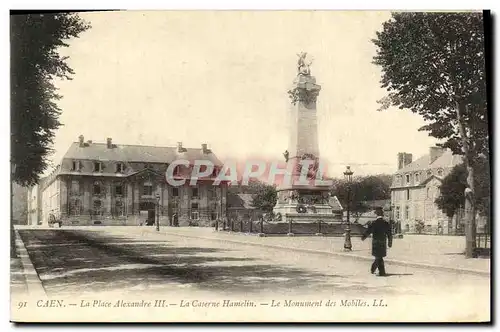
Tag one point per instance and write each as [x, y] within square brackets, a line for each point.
[33, 282]
[354, 256]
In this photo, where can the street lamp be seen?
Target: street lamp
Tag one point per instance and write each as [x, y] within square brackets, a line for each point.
[347, 241]
[158, 212]
[393, 219]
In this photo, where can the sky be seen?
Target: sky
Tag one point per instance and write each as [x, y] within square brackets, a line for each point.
[221, 78]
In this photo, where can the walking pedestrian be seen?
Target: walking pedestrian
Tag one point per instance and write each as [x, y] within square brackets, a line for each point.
[382, 237]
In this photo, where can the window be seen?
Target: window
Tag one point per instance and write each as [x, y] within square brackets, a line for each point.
[120, 167]
[175, 192]
[97, 188]
[211, 192]
[417, 177]
[118, 189]
[119, 209]
[75, 187]
[194, 192]
[97, 166]
[213, 216]
[75, 207]
[75, 165]
[147, 189]
[407, 194]
[407, 212]
[407, 178]
[97, 208]
[440, 172]
[194, 211]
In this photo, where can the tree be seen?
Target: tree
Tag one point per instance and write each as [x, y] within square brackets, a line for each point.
[34, 42]
[433, 65]
[453, 186]
[264, 197]
[368, 188]
[35, 63]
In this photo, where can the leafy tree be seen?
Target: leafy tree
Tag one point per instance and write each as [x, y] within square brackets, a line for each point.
[453, 186]
[362, 189]
[433, 65]
[34, 42]
[35, 63]
[264, 197]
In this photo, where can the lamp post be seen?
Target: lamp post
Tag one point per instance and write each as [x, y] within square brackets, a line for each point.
[158, 212]
[347, 241]
[393, 219]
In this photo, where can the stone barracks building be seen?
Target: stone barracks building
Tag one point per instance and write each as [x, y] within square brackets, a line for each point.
[111, 184]
[415, 187]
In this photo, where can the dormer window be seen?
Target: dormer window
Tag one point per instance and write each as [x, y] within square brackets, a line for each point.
[417, 177]
[440, 172]
[120, 168]
[97, 166]
[407, 178]
[75, 165]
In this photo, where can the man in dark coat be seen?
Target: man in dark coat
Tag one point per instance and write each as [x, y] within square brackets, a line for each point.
[382, 237]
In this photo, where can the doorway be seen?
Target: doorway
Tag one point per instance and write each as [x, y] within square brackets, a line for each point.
[147, 211]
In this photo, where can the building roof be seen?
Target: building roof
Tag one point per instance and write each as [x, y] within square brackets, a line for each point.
[137, 153]
[240, 201]
[446, 160]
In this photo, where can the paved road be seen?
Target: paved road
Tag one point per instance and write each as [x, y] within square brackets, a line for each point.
[84, 262]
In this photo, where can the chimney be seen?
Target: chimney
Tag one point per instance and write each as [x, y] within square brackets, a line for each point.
[109, 143]
[204, 148]
[80, 138]
[435, 152]
[404, 159]
[179, 147]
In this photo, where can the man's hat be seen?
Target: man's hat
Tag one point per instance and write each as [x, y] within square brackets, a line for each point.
[379, 211]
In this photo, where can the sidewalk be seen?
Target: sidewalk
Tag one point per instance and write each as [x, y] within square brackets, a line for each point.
[24, 279]
[423, 251]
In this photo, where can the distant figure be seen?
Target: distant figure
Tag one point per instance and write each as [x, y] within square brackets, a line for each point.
[440, 228]
[382, 236]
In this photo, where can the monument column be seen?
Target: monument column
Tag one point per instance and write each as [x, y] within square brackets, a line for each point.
[302, 202]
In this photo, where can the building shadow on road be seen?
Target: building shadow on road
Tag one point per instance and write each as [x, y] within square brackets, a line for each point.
[97, 262]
